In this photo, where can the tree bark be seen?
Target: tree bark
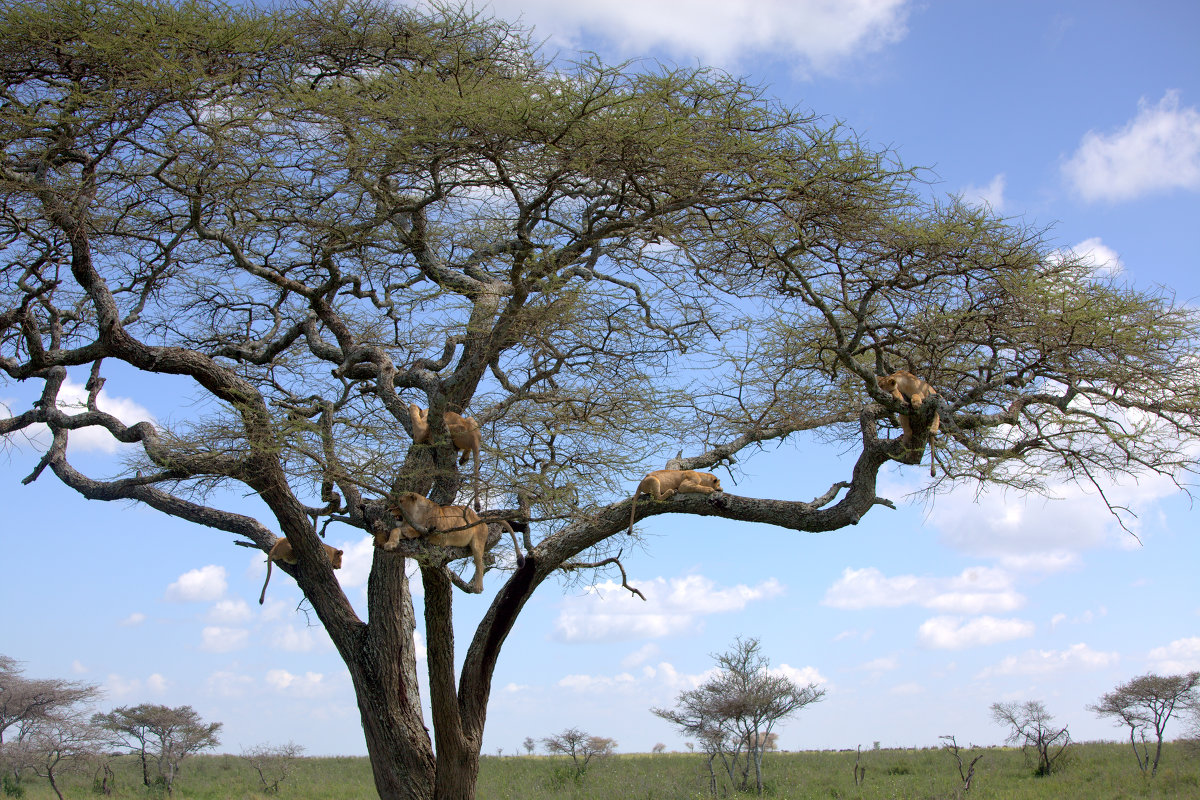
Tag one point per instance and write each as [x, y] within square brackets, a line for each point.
[382, 664]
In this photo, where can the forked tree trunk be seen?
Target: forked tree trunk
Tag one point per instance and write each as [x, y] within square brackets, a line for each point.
[382, 664]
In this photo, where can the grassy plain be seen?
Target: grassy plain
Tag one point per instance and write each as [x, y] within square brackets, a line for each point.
[1096, 771]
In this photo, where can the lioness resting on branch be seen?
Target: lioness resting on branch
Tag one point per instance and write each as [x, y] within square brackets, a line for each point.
[283, 551]
[445, 526]
[664, 483]
[906, 387]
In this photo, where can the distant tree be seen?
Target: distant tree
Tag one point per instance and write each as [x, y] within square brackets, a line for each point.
[1031, 726]
[734, 711]
[582, 747]
[530, 744]
[129, 726]
[966, 772]
[658, 748]
[272, 763]
[1145, 704]
[168, 735]
[769, 742]
[36, 717]
[61, 741]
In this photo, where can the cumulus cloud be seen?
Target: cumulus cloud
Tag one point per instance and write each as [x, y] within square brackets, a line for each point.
[663, 679]
[310, 684]
[72, 398]
[1102, 259]
[814, 35]
[597, 683]
[974, 591]
[1041, 662]
[299, 640]
[356, 562]
[118, 686]
[419, 646]
[880, 665]
[608, 612]
[802, 676]
[956, 633]
[228, 684]
[230, 612]
[991, 196]
[1157, 151]
[204, 585]
[216, 639]
[1181, 655]
[1028, 533]
[641, 655]
[660, 679]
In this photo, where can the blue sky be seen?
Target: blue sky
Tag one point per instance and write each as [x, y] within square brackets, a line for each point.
[1084, 116]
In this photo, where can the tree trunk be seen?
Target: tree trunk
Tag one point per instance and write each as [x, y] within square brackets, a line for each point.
[382, 664]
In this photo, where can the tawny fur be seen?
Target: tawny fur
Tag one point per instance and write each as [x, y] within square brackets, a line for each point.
[448, 526]
[906, 387]
[664, 483]
[282, 551]
[464, 433]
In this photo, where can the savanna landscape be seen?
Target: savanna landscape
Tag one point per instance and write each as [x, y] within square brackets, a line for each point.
[1096, 770]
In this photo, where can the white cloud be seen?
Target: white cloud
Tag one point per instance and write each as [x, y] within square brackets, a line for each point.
[974, 591]
[356, 562]
[310, 684]
[802, 676]
[203, 585]
[230, 612]
[228, 684]
[215, 639]
[1026, 533]
[116, 686]
[956, 633]
[661, 678]
[991, 196]
[608, 612]
[72, 398]
[1103, 260]
[1181, 655]
[136, 618]
[597, 683]
[880, 665]
[1041, 662]
[641, 655]
[811, 34]
[1158, 150]
[299, 640]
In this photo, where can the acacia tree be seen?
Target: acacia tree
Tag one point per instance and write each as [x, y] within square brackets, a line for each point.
[42, 724]
[581, 746]
[1032, 726]
[1146, 703]
[735, 711]
[168, 735]
[317, 214]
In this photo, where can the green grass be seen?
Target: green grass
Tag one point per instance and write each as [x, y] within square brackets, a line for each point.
[1096, 771]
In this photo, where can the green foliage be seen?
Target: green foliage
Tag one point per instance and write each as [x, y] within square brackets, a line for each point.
[1098, 771]
[11, 787]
